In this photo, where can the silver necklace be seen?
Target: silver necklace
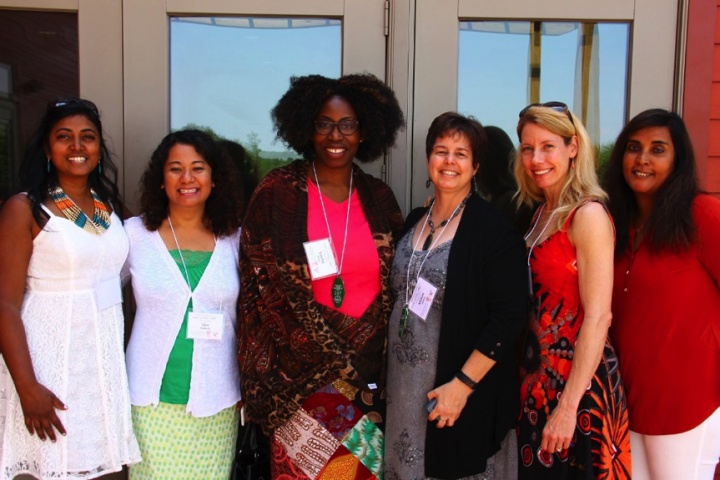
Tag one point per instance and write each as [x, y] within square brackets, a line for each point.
[338, 287]
[429, 239]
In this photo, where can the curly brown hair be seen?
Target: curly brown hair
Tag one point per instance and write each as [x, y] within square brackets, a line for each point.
[223, 206]
[376, 107]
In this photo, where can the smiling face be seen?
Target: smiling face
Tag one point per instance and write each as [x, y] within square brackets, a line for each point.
[450, 164]
[187, 178]
[335, 150]
[74, 147]
[648, 160]
[546, 158]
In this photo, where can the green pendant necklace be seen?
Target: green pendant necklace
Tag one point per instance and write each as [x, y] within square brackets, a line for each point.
[337, 291]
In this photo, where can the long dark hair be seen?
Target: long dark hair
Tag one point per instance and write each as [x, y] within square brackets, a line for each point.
[35, 179]
[670, 225]
[223, 206]
[495, 175]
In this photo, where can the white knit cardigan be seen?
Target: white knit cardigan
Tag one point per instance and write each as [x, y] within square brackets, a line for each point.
[162, 295]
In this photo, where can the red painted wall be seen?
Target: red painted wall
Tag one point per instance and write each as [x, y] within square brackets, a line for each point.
[701, 96]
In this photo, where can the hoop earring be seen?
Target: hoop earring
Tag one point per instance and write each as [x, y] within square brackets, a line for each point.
[427, 183]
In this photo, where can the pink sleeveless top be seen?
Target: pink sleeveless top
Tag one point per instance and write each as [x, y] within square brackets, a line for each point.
[361, 265]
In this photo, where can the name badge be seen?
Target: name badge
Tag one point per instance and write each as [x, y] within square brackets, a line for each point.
[320, 258]
[108, 292]
[422, 298]
[205, 326]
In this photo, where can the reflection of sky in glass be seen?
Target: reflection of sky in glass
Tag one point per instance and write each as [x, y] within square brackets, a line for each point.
[493, 73]
[229, 78]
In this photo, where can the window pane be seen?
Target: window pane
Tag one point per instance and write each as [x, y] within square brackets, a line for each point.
[226, 73]
[38, 62]
[581, 64]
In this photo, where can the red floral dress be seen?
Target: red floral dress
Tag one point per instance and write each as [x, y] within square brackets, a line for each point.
[600, 448]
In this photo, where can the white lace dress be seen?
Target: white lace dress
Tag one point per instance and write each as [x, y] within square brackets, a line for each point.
[77, 352]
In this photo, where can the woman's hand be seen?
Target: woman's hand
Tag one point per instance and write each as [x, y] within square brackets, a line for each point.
[451, 399]
[559, 429]
[38, 405]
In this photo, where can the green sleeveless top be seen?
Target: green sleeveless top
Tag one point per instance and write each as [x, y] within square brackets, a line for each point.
[175, 386]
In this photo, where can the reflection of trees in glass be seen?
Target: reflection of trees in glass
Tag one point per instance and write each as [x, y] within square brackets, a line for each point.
[602, 155]
[252, 162]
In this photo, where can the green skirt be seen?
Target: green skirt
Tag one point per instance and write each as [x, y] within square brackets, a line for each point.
[178, 446]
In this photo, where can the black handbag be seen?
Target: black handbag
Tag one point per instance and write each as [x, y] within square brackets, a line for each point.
[252, 455]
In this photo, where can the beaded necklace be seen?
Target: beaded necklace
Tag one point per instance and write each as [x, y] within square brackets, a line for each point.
[443, 224]
[101, 217]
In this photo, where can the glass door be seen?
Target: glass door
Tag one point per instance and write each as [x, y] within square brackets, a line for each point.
[489, 59]
[223, 65]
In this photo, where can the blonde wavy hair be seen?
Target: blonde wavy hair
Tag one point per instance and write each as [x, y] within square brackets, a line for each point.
[581, 183]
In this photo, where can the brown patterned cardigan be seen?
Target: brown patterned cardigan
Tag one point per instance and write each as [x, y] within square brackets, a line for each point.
[289, 345]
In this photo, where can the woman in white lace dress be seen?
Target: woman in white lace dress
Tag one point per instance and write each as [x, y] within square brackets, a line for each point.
[64, 400]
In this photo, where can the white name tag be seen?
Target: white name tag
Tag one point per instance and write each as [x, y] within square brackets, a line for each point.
[422, 298]
[205, 326]
[108, 293]
[321, 260]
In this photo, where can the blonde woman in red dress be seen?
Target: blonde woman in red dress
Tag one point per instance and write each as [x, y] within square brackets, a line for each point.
[573, 420]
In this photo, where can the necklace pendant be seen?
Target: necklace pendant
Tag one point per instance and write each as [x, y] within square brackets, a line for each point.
[338, 292]
[428, 241]
[403, 320]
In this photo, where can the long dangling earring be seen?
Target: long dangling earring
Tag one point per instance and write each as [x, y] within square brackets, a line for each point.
[427, 183]
[100, 166]
[48, 164]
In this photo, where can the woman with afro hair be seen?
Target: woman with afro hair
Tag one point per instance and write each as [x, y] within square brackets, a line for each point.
[315, 256]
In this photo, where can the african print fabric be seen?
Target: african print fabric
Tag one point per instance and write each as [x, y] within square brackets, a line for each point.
[289, 346]
[600, 448]
[335, 435]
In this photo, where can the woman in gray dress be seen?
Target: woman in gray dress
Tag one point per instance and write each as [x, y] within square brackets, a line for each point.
[460, 283]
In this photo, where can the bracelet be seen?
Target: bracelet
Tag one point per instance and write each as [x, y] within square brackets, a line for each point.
[460, 375]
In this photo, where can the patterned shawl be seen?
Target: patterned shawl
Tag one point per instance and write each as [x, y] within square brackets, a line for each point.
[289, 345]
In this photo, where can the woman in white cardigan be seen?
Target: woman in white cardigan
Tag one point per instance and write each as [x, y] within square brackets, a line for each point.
[181, 359]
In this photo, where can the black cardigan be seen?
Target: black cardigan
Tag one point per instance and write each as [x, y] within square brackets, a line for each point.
[485, 308]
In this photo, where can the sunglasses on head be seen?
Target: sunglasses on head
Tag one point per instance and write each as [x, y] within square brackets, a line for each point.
[69, 102]
[557, 106]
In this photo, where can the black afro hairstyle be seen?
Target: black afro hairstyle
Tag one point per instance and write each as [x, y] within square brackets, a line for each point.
[376, 107]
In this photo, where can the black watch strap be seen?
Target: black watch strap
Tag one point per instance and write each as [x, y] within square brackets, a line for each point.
[460, 375]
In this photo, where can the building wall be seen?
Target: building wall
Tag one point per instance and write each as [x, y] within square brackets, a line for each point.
[712, 173]
[702, 83]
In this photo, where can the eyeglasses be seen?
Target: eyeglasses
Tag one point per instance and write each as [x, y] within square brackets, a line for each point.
[69, 102]
[346, 127]
[557, 106]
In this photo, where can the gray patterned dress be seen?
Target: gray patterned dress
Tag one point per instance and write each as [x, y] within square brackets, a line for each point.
[412, 359]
